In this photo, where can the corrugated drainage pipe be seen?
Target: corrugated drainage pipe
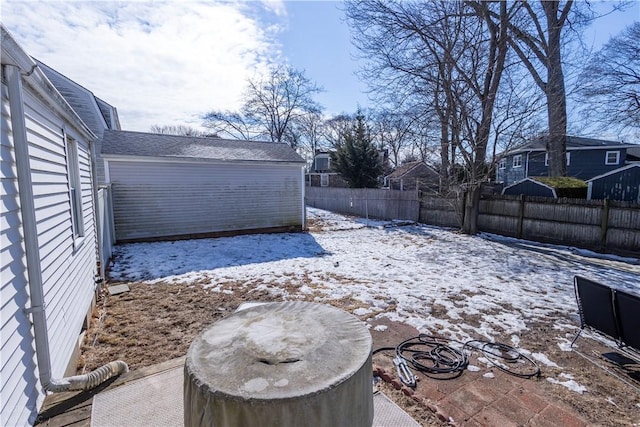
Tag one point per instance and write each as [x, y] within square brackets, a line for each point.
[32, 253]
[90, 380]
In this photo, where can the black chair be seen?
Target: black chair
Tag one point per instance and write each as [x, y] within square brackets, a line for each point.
[596, 307]
[628, 313]
[615, 314]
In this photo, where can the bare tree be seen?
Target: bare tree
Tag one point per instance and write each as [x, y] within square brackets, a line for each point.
[231, 124]
[519, 113]
[392, 130]
[336, 127]
[538, 34]
[271, 104]
[448, 57]
[307, 134]
[183, 130]
[610, 82]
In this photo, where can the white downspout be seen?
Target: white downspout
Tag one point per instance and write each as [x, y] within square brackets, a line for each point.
[304, 205]
[96, 222]
[32, 253]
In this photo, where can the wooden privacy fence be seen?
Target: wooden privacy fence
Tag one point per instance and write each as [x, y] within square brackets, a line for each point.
[366, 202]
[594, 224]
[442, 211]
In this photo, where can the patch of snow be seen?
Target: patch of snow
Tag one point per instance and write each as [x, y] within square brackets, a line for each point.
[560, 326]
[361, 311]
[542, 358]
[489, 375]
[569, 383]
[380, 328]
[515, 340]
[473, 368]
[610, 400]
[255, 385]
[564, 344]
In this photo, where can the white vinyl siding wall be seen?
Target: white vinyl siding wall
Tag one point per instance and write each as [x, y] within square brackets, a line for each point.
[67, 271]
[18, 369]
[162, 199]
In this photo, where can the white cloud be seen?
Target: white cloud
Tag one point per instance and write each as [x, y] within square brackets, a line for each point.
[157, 62]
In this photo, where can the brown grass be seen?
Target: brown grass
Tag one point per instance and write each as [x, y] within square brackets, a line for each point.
[154, 323]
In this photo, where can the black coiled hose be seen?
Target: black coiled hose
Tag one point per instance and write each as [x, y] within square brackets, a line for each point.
[435, 356]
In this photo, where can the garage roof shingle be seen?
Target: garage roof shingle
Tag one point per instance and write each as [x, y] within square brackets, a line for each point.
[128, 143]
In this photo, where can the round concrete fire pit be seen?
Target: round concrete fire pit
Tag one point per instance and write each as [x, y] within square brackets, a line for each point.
[280, 364]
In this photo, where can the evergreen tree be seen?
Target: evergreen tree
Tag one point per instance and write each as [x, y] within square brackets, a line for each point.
[356, 158]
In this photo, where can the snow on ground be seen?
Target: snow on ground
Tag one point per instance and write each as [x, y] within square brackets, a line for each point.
[433, 276]
[568, 382]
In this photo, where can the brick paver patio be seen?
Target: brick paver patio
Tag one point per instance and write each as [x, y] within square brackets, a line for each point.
[473, 399]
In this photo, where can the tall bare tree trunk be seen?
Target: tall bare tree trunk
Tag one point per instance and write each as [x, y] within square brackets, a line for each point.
[472, 209]
[555, 93]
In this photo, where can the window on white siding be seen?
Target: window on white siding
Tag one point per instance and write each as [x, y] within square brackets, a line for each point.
[324, 180]
[517, 161]
[75, 188]
[502, 164]
[546, 158]
[612, 158]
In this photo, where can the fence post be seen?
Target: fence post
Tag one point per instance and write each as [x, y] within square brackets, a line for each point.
[521, 215]
[604, 226]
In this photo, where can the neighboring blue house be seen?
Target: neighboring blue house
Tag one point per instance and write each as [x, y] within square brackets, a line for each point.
[586, 158]
[621, 184]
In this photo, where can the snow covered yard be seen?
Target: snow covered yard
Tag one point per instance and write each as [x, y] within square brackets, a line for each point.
[436, 280]
[428, 277]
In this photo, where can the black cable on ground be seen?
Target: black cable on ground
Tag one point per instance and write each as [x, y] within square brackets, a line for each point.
[435, 357]
[506, 358]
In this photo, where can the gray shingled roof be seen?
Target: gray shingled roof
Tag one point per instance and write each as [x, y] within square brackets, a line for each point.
[127, 143]
[82, 100]
[573, 142]
[407, 167]
[109, 113]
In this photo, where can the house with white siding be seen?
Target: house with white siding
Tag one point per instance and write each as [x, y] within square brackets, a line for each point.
[167, 186]
[97, 114]
[47, 235]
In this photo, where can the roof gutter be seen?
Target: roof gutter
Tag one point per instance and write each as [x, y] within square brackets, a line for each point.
[32, 251]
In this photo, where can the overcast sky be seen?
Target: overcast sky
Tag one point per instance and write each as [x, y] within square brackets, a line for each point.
[170, 62]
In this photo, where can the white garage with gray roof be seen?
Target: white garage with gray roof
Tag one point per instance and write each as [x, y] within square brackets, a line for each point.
[167, 186]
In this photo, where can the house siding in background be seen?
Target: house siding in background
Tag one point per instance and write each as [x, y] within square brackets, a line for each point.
[164, 199]
[413, 176]
[168, 186]
[621, 184]
[586, 158]
[530, 188]
[68, 265]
